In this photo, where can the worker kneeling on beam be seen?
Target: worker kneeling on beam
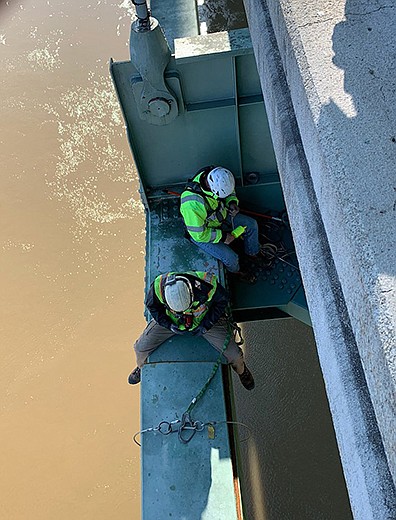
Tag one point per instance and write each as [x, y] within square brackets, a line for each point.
[192, 304]
[209, 207]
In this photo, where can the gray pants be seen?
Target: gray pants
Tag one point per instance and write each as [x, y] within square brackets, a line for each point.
[154, 335]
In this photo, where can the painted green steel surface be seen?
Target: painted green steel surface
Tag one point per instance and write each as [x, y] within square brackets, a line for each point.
[262, 197]
[277, 286]
[168, 250]
[191, 481]
[222, 120]
[194, 480]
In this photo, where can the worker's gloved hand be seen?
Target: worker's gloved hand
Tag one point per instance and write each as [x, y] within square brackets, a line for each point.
[233, 209]
[175, 330]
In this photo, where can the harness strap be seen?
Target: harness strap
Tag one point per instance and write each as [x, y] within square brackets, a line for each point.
[194, 187]
[159, 288]
[213, 373]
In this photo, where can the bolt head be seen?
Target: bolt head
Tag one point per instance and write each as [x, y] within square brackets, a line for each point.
[159, 107]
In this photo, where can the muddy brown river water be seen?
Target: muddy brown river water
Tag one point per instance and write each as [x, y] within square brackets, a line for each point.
[72, 260]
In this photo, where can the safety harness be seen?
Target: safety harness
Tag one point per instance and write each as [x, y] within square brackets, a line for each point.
[194, 186]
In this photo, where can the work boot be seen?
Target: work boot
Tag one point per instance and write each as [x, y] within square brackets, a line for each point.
[261, 260]
[267, 254]
[134, 376]
[247, 379]
[246, 277]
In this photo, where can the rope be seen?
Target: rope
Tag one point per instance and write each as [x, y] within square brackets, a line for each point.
[272, 252]
[277, 250]
[213, 373]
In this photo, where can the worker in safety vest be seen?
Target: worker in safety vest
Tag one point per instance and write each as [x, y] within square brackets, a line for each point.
[193, 304]
[209, 207]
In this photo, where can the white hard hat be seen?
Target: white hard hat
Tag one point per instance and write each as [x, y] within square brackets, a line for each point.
[221, 182]
[178, 292]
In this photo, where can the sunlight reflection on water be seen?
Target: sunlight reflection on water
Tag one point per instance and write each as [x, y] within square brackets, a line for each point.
[72, 244]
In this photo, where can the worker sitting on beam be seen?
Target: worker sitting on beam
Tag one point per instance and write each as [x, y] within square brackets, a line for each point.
[193, 303]
[209, 207]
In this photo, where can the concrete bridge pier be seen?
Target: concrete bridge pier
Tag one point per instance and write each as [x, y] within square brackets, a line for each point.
[328, 77]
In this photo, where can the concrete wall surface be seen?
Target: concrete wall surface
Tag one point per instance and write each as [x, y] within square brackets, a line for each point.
[328, 73]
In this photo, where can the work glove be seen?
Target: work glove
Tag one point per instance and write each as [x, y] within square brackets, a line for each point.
[176, 330]
[233, 209]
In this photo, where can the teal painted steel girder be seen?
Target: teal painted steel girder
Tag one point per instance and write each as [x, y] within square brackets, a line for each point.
[222, 119]
[191, 481]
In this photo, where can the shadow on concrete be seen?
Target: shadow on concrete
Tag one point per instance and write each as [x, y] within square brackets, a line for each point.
[362, 188]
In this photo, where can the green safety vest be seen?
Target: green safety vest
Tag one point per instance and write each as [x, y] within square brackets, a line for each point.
[202, 213]
[197, 309]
